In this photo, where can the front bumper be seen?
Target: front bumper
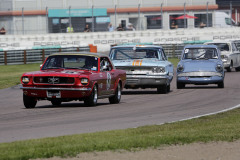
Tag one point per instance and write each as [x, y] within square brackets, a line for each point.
[150, 80]
[57, 92]
[200, 77]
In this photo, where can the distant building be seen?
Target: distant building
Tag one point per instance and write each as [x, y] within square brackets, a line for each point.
[42, 16]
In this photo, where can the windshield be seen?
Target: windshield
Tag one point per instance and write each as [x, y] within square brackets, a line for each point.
[71, 62]
[200, 53]
[222, 46]
[137, 53]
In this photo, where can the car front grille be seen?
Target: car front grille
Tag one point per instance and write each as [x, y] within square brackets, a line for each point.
[53, 80]
[199, 74]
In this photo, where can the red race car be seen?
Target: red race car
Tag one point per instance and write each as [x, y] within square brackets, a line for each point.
[80, 76]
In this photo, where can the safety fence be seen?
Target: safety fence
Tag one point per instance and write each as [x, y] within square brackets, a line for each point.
[26, 56]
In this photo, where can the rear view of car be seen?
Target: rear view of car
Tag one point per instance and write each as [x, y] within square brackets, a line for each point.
[146, 66]
[200, 65]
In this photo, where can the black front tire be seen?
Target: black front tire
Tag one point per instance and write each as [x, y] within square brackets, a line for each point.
[29, 102]
[117, 96]
[162, 89]
[92, 99]
[229, 69]
[221, 85]
[237, 69]
[180, 85]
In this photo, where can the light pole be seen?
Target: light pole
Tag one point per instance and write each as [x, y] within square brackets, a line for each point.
[69, 14]
[22, 21]
[161, 16]
[207, 15]
[185, 15]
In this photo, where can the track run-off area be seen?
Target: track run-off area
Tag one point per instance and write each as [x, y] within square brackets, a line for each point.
[137, 108]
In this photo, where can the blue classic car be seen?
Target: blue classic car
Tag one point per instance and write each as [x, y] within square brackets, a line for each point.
[200, 64]
[146, 66]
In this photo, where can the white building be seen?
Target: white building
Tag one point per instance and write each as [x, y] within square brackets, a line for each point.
[54, 16]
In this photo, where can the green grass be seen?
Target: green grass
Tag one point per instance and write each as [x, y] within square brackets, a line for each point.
[220, 127]
[11, 74]
[174, 61]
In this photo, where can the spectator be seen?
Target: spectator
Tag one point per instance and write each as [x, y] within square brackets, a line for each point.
[173, 25]
[2, 31]
[110, 27]
[87, 29]
[120, 28]
[130, 27]
[70, 29]
[202, 25]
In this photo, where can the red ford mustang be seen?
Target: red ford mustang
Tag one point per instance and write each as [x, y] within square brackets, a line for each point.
[65, 77]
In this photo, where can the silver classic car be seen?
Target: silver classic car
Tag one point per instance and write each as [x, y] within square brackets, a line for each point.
[200, 64]
[229, 53]
[146, 66]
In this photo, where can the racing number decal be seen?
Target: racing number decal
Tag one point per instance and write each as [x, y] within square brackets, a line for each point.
[108, 80]
[137, 62]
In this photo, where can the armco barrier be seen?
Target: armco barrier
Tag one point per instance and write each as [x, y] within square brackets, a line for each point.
[35, 55]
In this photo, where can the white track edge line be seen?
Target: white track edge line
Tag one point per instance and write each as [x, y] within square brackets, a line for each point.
[208, 114]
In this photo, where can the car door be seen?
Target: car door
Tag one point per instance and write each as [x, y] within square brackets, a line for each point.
[108, 76]
[236, 52]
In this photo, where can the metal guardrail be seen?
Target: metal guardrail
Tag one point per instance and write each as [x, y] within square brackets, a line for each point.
[39, 55]
[173, 50]
[34, 55]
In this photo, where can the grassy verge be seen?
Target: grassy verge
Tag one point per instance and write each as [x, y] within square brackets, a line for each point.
[220, 127]
[11, 74]
[174, 61]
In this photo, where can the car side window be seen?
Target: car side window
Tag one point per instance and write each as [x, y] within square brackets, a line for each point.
[234, 48]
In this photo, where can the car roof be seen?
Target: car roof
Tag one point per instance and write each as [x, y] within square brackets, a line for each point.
[81, 53]
[201, 46]
[139, 46]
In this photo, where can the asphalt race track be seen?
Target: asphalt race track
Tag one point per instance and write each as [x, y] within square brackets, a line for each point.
[137, 108]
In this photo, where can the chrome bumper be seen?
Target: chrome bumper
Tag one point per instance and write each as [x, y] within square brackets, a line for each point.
[139, 80]
[57, 89]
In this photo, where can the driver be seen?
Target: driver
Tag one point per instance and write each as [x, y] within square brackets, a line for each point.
[150, 54]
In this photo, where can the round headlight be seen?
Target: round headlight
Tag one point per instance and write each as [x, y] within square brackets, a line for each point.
[158, 69]
[224, 56]
[84, 81]
[180, 68]
[25, 79]
[219, 68]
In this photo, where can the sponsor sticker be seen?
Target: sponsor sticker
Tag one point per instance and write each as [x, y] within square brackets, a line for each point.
[137, 63]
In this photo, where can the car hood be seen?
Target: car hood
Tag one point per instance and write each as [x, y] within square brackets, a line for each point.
[199, 65]
[59, 73]
[139, 62]
[225, 52]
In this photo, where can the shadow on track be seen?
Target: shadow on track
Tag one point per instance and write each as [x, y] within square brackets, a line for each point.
[69, 105]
